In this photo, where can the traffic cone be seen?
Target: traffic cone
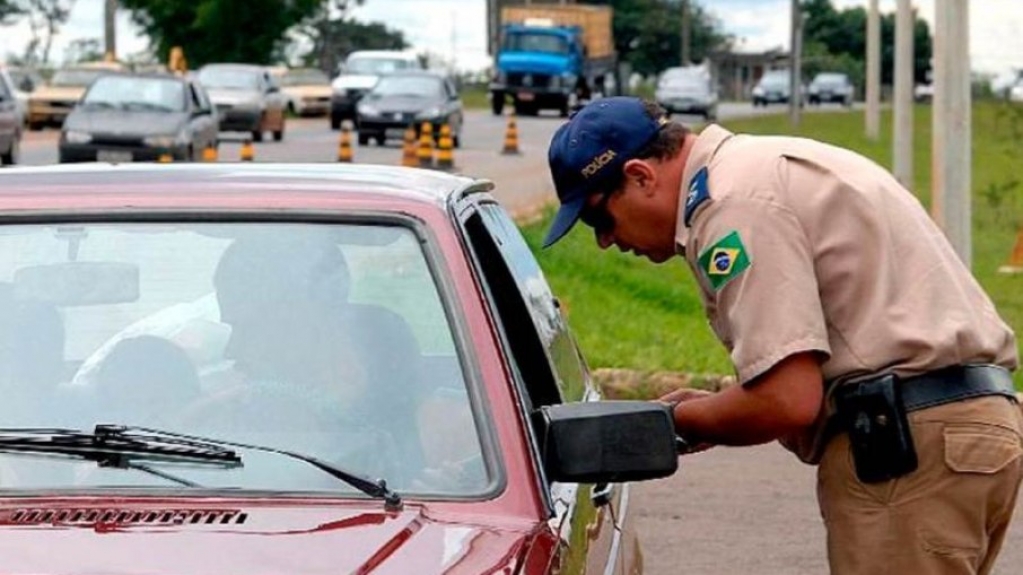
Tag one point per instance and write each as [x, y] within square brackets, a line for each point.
[408, 149]
[165, 158]
[344, 146]
[445, 149]
[247, 153]
[209, 153]
[425, 153]
[1015, 264]
[511, 137]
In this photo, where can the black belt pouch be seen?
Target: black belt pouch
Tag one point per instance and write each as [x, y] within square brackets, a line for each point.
[873, 414]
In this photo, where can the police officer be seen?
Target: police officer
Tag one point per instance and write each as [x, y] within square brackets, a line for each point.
[860, 340]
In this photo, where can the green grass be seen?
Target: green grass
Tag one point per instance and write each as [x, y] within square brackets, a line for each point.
[475, 98]
[630, 313]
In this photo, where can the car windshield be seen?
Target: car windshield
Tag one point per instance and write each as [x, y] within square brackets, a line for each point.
[690, 81]
[305, 78]
[832, 79]
[158, 94]
[76, 77]
[775, 79]
[332, 341]
[417, 86]
[527, 42]
[229, 79]
[376, 66]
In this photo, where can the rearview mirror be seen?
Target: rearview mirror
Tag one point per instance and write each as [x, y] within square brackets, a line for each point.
[78, 283]
[608, 441]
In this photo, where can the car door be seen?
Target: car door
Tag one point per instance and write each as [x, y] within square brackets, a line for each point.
[587, 520]
[275, 100]
[203, 121]
[9, 120]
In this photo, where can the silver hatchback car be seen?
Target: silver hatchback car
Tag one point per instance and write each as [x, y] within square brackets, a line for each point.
[11, 122]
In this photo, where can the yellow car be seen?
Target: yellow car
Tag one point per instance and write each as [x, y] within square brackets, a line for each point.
[50, 104]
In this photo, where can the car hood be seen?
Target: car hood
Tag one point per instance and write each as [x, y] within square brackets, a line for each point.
[317, 91]
[58, 93]
[143, 123]
[532, 62]
[232, 97]
[402, 103]
[225, 539]
[356, 81]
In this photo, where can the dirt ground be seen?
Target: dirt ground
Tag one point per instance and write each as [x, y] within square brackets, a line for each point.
[747, 511]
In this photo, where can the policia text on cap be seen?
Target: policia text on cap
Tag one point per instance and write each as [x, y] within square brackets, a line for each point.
[860, 340]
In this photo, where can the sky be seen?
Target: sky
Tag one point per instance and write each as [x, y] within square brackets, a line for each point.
[459, 27]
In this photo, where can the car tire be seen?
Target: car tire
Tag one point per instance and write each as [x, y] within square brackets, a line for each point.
[12, 157]
[35, 126]
[497, 103]
[335, 122]
[456, 141]
[363, 139]
[279, 134]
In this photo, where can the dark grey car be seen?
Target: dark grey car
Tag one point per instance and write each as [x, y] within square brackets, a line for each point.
[10, 122]
[124, 118]
[409, 98]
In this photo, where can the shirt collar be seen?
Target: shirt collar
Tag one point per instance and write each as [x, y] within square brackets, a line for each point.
[706, 145]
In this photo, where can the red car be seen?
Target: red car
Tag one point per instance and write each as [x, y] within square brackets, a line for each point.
[258, 369]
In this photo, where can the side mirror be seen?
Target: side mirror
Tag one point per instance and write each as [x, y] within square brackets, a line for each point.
[608, 441]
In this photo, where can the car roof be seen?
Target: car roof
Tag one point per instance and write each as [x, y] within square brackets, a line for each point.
[384, 54]
[238, 186]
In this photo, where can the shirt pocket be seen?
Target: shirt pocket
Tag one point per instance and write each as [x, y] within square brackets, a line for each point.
[980, 448]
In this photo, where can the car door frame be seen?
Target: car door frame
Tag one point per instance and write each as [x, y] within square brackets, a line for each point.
[202, 117]
[586, 520]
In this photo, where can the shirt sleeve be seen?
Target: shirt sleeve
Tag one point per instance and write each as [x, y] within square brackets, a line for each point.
[755, 266]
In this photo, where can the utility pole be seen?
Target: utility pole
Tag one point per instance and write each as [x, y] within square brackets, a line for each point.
[686, 32]
[110, 30]
[902, 136]
[796, 64]
[873, 71]
[951, 128]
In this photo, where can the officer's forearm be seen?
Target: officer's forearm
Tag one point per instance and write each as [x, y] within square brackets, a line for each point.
[782, 402]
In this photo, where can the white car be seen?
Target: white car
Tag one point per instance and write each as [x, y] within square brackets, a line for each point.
[687, 91]
[359, 73]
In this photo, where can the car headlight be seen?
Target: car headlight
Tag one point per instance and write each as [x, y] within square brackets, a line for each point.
[367, 110]
[431, 113]
[73, 137]
[758, 91]
[179, 139]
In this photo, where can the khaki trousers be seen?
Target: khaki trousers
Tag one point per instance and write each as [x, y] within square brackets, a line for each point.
[947, 517]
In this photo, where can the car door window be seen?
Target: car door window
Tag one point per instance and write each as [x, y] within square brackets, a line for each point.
[194, 96]
[5, 91]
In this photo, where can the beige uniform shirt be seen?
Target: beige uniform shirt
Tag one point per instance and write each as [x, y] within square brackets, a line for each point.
[800, 246]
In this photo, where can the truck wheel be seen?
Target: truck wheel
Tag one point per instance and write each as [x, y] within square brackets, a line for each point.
[497, 103]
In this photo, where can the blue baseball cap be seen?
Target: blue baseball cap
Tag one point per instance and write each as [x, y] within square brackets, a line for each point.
[588, 152]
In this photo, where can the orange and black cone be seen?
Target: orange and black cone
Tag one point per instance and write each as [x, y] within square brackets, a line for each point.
[425, 152]
[511, 137]
[1015, 264]
[209, 153]
[344, 146]
[408, 149]
[247, 153]
[445, 146]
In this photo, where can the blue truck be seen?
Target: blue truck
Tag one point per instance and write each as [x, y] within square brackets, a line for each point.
[552, 57]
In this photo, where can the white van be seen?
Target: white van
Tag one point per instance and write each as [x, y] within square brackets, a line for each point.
[360, 72]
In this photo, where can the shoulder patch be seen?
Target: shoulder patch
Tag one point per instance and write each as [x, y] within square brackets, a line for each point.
[698, 193]
[725, 260]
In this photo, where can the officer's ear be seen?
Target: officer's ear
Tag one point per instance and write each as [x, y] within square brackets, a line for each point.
[640, 174]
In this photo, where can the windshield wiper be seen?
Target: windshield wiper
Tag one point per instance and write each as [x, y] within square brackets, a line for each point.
[146, 106]
[110, 446]
[123, 446]
[374, 488]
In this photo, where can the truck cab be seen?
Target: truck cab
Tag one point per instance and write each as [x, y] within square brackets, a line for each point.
[551, 57]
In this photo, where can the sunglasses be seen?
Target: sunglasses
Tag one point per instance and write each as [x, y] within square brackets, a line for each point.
[597, 216]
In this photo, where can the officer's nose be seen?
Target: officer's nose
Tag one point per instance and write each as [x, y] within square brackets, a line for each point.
[604, 240]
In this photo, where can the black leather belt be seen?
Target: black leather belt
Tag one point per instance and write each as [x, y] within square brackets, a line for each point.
[955, 383]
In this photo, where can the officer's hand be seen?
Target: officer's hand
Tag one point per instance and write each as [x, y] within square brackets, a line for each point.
[684, 394]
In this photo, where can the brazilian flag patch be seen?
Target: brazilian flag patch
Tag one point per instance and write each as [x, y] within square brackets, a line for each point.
[724, 260]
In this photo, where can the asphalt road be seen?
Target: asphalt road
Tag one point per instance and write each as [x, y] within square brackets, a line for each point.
[727, 511]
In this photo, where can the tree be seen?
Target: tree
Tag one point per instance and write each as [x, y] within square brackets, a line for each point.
[844, 33]
[219, 30]
[83, 50]
[9, 11]
[333, 35]
[647, 33]
[45, 17]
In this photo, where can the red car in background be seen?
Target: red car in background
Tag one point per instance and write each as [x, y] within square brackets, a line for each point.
[258, 369]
